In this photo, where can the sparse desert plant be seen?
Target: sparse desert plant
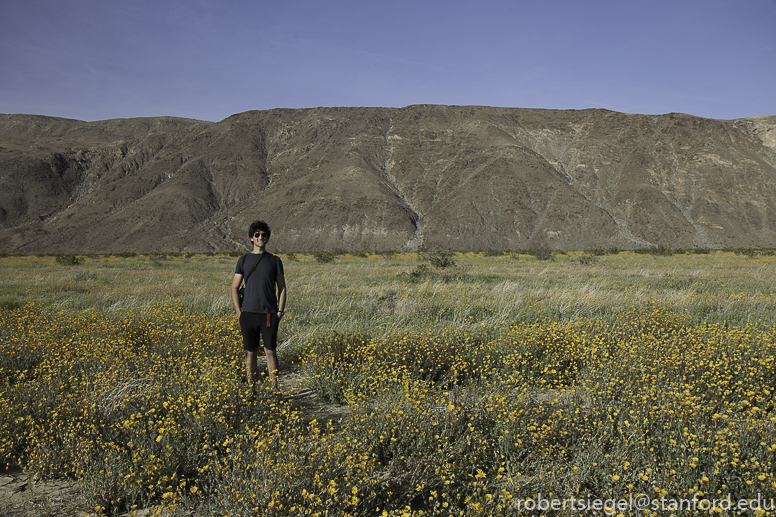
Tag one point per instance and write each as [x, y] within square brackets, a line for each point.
[613, 250]
[492, 253]
[543, 253]
[661, 250]
[68, 260]
[437, 258]
[324, 257]
[747, 252]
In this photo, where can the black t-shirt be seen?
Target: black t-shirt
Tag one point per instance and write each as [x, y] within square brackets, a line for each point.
[260, 284]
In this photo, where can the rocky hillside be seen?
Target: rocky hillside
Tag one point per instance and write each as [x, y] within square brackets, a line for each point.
[466, 178]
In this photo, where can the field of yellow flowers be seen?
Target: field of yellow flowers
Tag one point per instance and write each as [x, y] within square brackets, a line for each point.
[481, 388]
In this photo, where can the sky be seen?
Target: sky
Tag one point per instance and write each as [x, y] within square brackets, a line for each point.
[209, 59]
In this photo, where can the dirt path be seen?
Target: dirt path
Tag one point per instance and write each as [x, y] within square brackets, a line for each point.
[22, 495]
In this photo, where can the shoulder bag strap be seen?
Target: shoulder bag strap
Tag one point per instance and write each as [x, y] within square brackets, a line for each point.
[245, 278]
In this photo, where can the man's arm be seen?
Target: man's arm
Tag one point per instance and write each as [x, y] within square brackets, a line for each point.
[281, 283]
[236, 297]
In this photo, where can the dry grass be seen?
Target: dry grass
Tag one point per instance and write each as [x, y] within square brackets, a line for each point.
[467, 387]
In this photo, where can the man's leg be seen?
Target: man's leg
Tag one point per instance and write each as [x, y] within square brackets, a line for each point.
[270, 336]
[251, 341]
[272, 367]
[251, 367]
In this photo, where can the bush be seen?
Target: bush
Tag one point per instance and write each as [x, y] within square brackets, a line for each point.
[68, 260]
[747, 252]
[662, 250]
[440, 259]
[324, 257]
[492, 253]
[543, 253]
[613, 250]
[385, 253]
[659, 250]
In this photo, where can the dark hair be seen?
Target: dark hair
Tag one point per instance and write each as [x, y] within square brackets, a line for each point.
[259, 225]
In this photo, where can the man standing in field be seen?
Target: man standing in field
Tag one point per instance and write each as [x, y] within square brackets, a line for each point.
[263, 303]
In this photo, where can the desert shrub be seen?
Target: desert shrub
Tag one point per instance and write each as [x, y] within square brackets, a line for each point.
[492, 253]
[543, 253]
[417, 273]
[437, 258]
[661, 250]
[613, 250]
[84, 276]
[747, 252]
[587, 259]
[68, 260]
[324, 257]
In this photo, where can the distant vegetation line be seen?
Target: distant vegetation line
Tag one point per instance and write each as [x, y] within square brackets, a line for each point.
[327, 256]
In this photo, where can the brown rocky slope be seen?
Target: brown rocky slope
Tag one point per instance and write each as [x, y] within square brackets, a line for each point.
[466, 178]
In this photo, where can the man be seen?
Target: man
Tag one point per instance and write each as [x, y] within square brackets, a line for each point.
[263, 302]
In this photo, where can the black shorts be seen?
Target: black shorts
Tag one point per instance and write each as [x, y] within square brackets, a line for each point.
[256, 327]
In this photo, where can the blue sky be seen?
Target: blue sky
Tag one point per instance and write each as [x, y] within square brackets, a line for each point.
[208, 59]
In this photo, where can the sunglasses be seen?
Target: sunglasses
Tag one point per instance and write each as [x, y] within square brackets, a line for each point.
[260, 235]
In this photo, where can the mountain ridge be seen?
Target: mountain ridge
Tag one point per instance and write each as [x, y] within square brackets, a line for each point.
[460, 177]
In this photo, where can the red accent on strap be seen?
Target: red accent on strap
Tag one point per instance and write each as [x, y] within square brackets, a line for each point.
[269, 320]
